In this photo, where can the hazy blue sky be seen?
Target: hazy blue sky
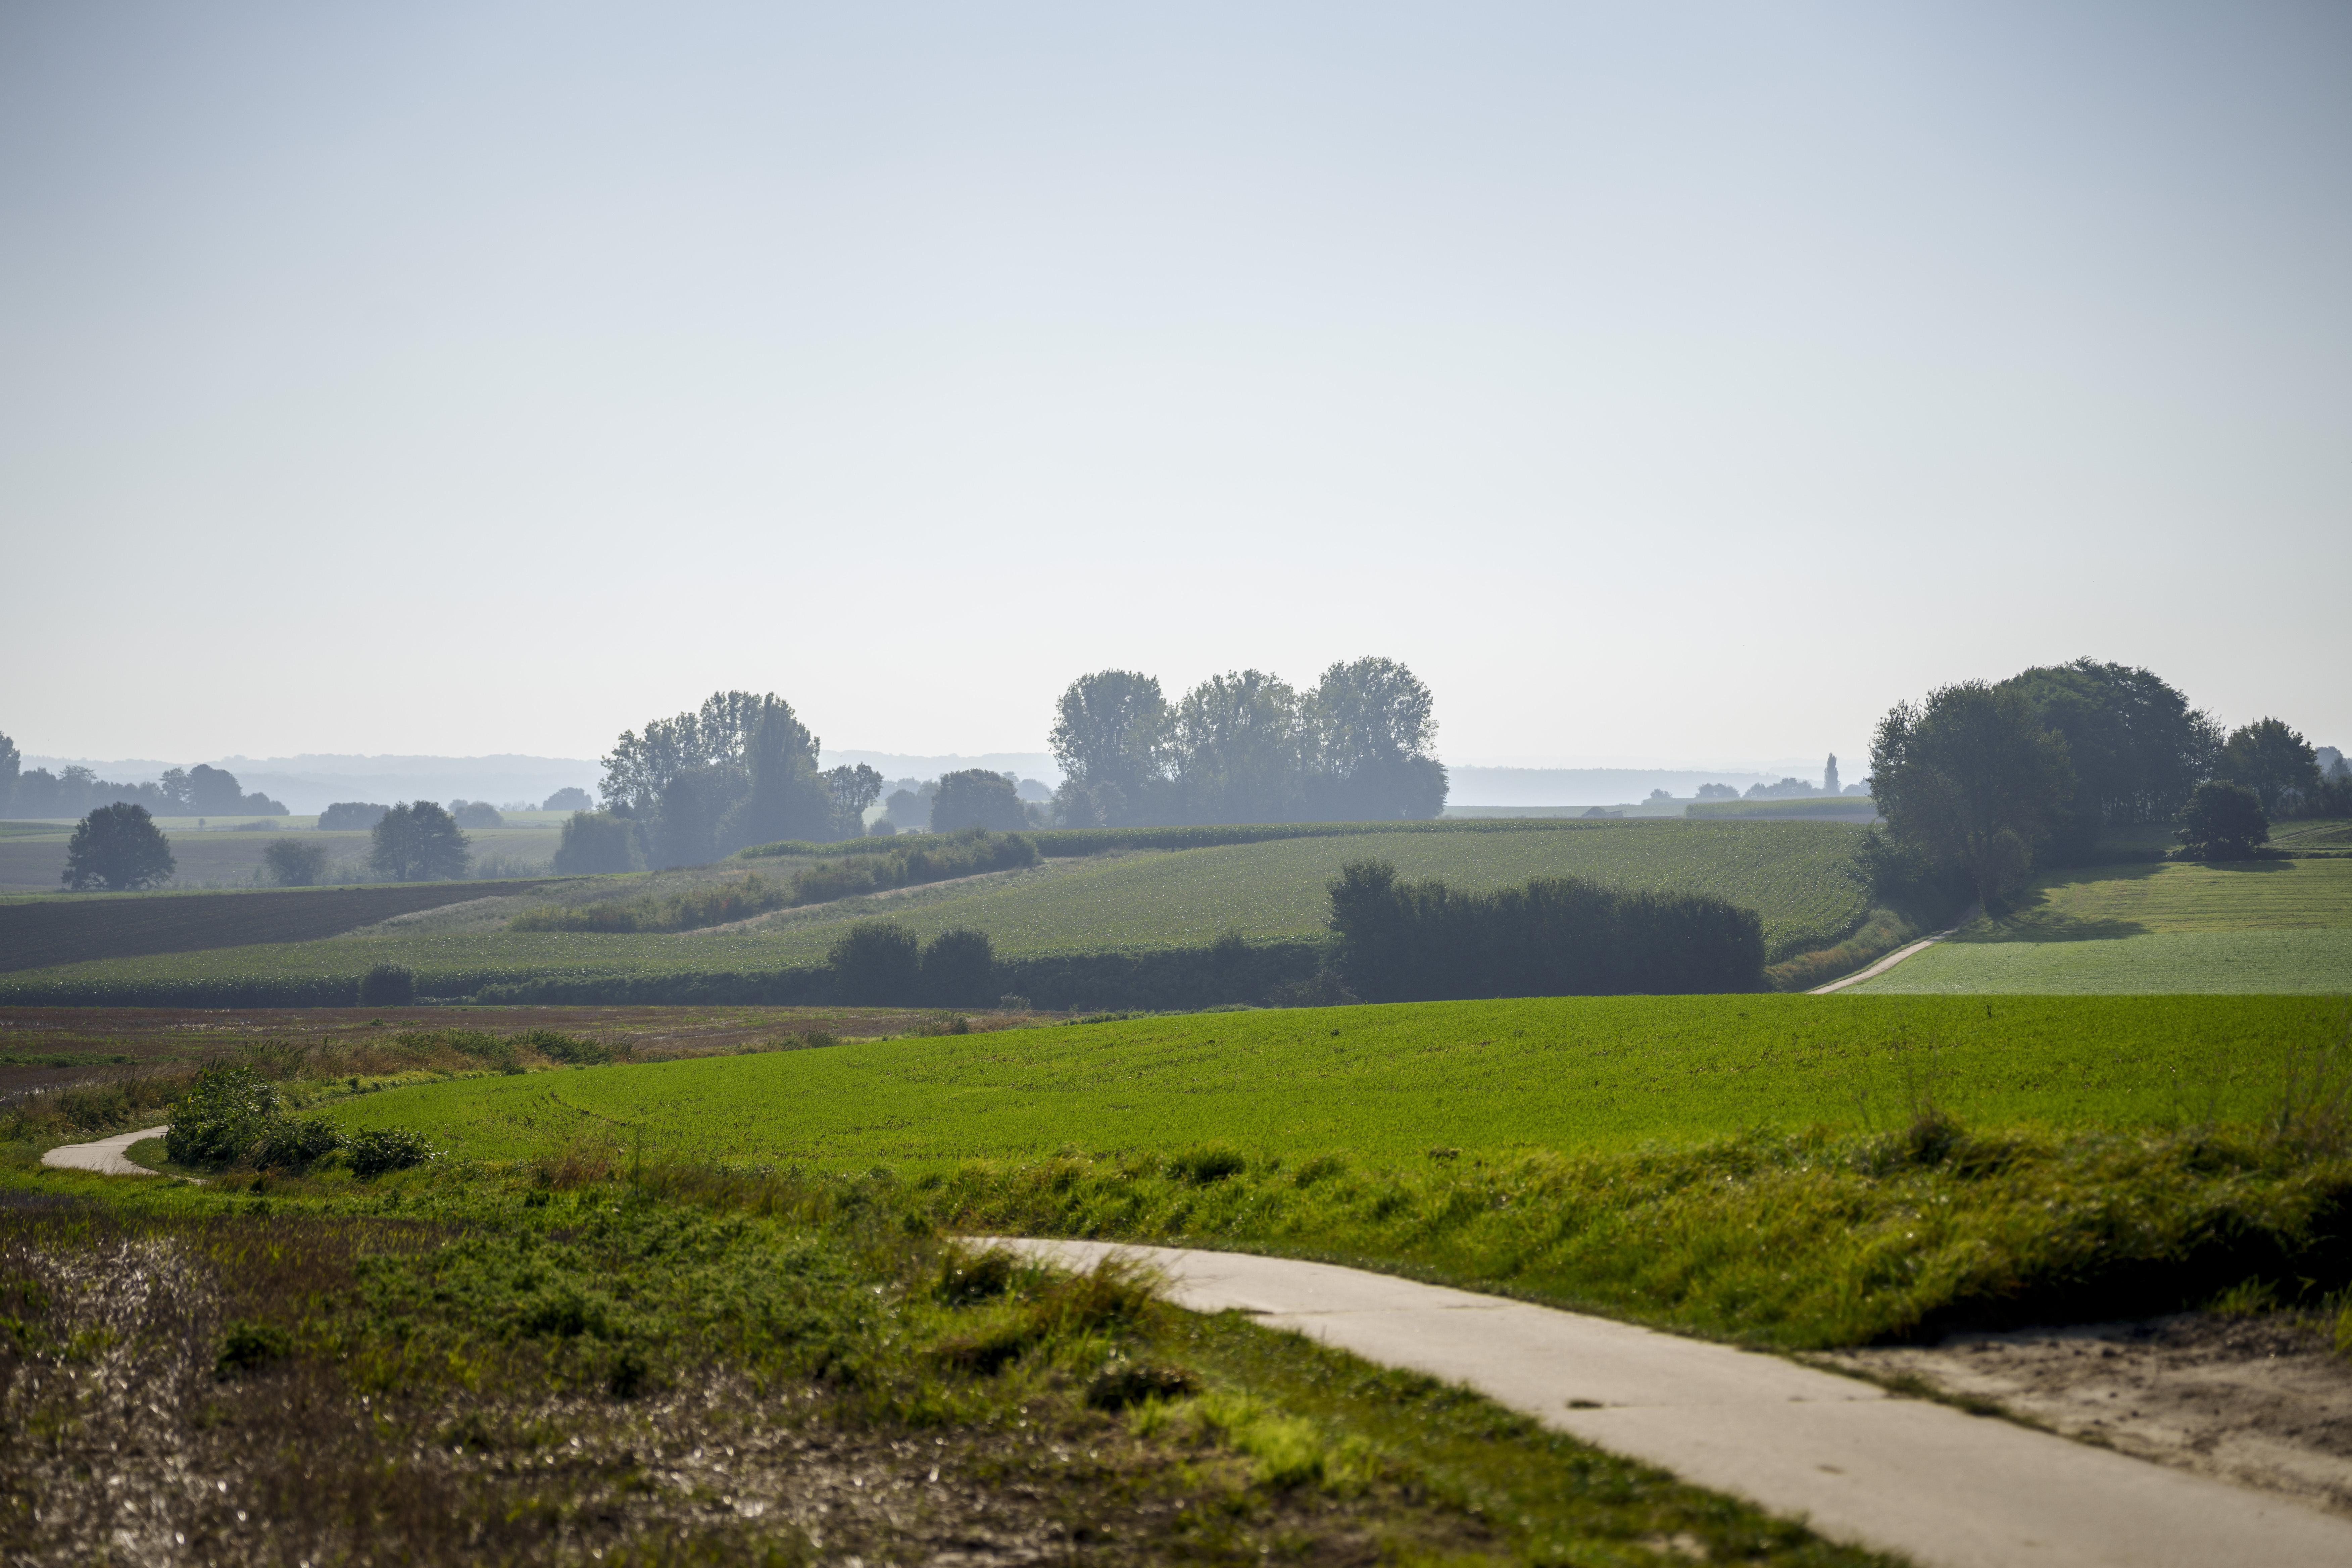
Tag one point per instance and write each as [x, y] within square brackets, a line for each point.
[1660, 381]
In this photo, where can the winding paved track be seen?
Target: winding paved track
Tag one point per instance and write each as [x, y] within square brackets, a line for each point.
[105, 1156]
[1950, 1489]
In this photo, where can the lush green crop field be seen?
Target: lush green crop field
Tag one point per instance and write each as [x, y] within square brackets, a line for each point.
[2257, 926]
[1391, 1082]
[1794, 874]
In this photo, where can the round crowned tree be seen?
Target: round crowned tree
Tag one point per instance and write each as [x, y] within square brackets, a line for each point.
[118, 847]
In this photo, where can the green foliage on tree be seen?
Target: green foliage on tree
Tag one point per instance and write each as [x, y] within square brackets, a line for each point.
[2274, 762]
[224, 1112]
[960, 970]
[292, 863]
[1109, 736]
[977, 798]
[418, 842]
[2135, 745]
[597, 844]
[118, 847]
[875, 963]
[1245, 746]
[2222, 821]
[1970, 779]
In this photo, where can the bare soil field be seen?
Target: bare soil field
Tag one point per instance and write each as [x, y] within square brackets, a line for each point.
[47, 1047]
[2261, 1401]
[35, 933]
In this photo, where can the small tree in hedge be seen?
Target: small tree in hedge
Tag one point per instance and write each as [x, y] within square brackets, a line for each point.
[2222, 822]
[387, 985]
[876, 963]
[294, 864]
[118, 847]
[960, 970]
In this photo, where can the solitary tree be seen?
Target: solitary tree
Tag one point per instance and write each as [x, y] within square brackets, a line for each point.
[11, 766]
[291, 863]
[418, 842]
[1970, 779]
[118, 847]
[2274, 762]
[2222, 822]
[976, 798]
[1830, 775]
[597, 844]
[570, 798]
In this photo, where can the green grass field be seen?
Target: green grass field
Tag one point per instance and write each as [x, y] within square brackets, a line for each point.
[2259, 926]
[1392, 1082]
[1794, 874]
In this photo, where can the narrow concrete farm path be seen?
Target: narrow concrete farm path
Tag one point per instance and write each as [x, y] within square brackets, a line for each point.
[1949, 1489]
[106, 1156]
[1898, 955]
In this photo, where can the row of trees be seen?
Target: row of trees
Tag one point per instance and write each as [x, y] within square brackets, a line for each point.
[1246, 746]
[116, 846]
[740, 770]
[1988, 778]
[75, 791]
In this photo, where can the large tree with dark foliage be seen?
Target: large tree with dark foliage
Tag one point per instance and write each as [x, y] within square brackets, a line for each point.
[977, 798]
[12, 764]
[1971, 779]
[418, 842]
[1373, 722]
[118, 847]
[2273, 761]
[2134, 744]
[1109, 736]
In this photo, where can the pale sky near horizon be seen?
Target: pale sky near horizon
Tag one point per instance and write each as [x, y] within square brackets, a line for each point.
[1663, 383]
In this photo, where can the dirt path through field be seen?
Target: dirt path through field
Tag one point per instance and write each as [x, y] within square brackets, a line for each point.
[1951, 1489]
[1897, 956]
[106, 1156]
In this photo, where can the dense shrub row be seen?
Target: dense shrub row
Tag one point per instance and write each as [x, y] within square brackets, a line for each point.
[1062, 842]
[933, 859]
[1556, 936]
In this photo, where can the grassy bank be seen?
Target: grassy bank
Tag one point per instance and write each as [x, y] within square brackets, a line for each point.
[564, 1362]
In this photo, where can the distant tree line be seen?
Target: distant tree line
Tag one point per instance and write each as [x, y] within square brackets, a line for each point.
[75, 791]
[1246, 746]
[1988, 779]
[740, 770]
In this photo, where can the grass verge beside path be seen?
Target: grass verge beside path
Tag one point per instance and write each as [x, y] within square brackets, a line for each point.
[561, 1362]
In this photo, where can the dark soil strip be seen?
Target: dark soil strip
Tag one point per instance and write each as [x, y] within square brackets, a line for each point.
[74, 930]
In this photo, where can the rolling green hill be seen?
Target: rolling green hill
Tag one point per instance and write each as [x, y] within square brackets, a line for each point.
[1795, 874]
[2254, 926]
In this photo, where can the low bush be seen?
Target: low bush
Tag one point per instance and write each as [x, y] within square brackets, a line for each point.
[380, 1150]
[387, 985]
[288, 1143]
[225, 1111]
